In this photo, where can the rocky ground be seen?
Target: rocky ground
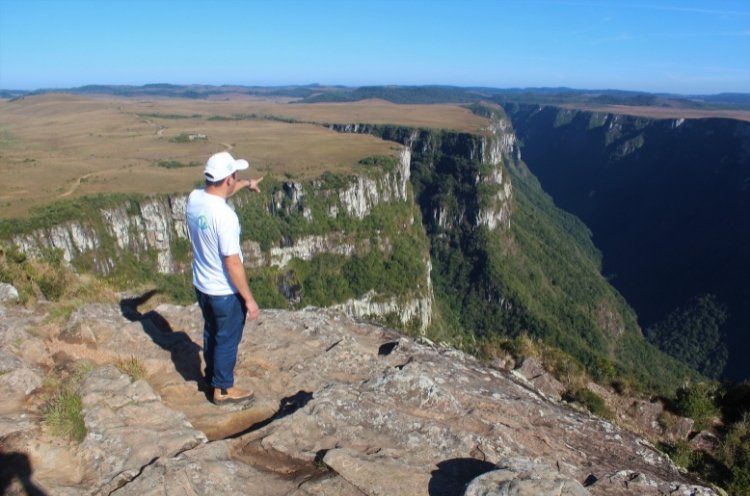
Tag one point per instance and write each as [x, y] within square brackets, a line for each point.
[341, 408]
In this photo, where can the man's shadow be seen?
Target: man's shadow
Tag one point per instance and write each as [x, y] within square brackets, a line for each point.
[184, 352]
[16, 465]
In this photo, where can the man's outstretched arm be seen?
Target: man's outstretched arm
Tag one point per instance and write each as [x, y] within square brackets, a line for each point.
[251, 184]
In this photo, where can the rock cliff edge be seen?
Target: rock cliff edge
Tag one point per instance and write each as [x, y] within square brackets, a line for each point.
[341, 408]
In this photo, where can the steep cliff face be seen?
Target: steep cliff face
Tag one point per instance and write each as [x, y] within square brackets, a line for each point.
[668, 202]
[152, 226]
[344, 241]
[465, 160]
[155, 224]
[334, 218]
[462, 189]
[364, 193]
[506, 261]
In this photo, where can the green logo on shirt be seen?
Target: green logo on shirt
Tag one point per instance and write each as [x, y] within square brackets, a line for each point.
[202, 222]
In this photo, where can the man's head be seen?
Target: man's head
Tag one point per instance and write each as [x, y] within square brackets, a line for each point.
[220, 166]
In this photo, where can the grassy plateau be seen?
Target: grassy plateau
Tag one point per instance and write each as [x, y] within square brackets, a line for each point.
[55, 146]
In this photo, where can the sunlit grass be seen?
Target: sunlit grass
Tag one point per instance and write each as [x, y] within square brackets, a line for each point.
[63, 411]
[64, 415]
[133, 367]
[62, 146]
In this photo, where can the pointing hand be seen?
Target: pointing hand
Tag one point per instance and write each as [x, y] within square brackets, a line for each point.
[253, 184]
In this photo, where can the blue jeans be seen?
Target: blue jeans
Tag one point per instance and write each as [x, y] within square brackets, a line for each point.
[224, 318]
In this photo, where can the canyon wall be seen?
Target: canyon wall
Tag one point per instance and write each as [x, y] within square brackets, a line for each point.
[668, 203]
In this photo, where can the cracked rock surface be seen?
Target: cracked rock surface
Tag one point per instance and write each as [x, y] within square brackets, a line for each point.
[341, 408]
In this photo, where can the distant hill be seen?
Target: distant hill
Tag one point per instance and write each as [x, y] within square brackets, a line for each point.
[314, 93]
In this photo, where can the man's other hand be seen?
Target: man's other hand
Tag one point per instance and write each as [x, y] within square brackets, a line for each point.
[253, 311]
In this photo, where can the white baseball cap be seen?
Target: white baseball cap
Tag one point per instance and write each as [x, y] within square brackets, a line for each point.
[221, 165]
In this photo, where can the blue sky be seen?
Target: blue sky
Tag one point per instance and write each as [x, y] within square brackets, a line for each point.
[688, 47]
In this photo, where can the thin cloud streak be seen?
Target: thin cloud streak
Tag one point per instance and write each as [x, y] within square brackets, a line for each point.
[618, 38]
[715, 34]
[696, 11]
[633, 6]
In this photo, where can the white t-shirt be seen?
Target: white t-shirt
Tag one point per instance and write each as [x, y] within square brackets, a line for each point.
[214, 233]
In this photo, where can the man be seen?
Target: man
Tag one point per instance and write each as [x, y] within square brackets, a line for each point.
[218, 273]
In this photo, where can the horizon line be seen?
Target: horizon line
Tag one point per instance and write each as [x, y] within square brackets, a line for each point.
[345, 86]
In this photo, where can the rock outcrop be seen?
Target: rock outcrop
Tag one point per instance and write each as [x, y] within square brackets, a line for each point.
[523, 477]
[341, 408]
[8, 293]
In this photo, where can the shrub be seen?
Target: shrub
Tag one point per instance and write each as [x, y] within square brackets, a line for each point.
[322, 280]
[176, 164]
[734, 452]
[46, 277]
[180, 138]
[592, 401]
[364, 272]
[490, 347]
[626, 386]
[521, 347]
[562, 366]
[181, 250]
[697, 402]
[680, 453]
[602, 370]
[52, 287]
[381, 162]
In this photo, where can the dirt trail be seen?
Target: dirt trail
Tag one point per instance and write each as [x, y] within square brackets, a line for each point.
[76, 185]
[159, 128]
[78, 181]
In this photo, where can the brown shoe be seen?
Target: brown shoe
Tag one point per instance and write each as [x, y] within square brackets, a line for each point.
[231, 395]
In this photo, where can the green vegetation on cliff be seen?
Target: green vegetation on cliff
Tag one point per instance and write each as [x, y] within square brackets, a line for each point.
[388, 254]
[85, 209]
[541, 278]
